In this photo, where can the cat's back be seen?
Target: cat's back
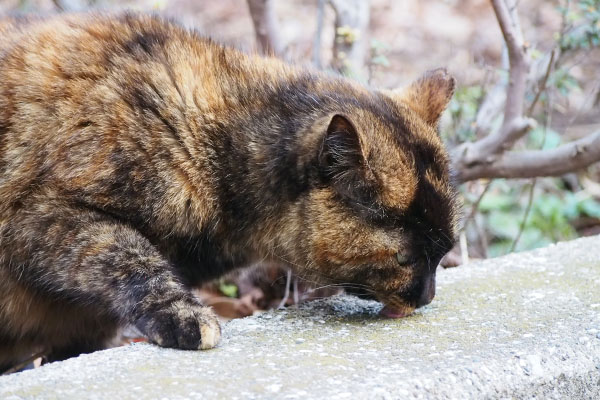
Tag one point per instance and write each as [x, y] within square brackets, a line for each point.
[68, 66]
[91, 102]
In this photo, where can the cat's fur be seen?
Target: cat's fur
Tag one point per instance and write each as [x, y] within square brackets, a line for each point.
[138, 159]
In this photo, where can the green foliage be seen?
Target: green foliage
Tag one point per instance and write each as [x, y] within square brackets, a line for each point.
[463, 111]
[584, 25]
[378, 53]
[563, 81]
[228, 289]
[553, 209]
[550, 219]
[543, 138]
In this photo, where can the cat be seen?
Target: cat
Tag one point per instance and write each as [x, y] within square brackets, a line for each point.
[138, 159]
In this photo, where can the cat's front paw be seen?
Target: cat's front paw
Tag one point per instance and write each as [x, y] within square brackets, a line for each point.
[182, 325]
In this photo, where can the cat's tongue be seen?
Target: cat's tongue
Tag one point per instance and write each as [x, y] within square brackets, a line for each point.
[395, 312]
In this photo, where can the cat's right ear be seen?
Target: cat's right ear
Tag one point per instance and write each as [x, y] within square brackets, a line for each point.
[429, 95]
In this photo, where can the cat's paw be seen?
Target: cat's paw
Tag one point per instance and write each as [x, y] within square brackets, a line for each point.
[182, 325]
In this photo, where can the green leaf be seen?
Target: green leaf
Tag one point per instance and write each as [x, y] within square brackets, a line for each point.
[590, 207]
[572, 205]
[544, 138]
[500, 248]
[533, 238]
[496, 201]
[228, 289]
[503, 224]
[381, 60]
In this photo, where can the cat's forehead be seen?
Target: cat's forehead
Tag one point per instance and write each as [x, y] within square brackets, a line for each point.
[395, 172]
[405, 161]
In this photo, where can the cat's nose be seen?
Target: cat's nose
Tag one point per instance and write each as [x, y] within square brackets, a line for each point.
[428, 292]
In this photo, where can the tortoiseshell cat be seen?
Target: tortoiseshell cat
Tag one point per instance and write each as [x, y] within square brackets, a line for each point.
[138, 158]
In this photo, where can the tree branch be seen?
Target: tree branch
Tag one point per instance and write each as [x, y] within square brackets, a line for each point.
[515, 125]
[350, 44]
[518, 61]
[533, 163]
[266, 27]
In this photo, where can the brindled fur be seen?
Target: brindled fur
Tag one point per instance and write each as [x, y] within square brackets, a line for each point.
[138, 158]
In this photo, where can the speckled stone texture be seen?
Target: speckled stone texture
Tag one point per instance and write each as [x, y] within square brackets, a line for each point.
[522, 326]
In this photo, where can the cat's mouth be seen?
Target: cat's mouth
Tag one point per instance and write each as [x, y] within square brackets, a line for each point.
[394, 307]
[396, 310]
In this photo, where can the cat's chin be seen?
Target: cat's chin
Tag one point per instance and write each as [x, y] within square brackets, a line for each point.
[389, 311]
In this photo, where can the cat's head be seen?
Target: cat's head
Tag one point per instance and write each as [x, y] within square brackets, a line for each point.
[385, 211]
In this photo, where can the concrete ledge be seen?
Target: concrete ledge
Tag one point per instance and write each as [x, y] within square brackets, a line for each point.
[522, 326]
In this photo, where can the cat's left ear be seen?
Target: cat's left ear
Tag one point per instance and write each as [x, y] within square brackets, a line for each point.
[341, 150]
[342, 159]
[429, 95]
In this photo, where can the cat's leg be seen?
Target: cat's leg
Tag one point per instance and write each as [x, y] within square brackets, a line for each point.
[88, 258]
[75, 348]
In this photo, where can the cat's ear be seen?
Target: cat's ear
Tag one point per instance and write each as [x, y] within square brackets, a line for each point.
[429, 95]
[343, 162]
[341, 154]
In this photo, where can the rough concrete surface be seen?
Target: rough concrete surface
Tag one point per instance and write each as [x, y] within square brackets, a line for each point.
[522, 326]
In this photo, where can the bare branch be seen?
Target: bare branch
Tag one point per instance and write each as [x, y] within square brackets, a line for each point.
[533, 163]
[525, 216]
[475, 206]
[542, 86]
[266, 26]
[470, 154]
[517, 58]
[489, 149]
[350, 44]
[517, 79]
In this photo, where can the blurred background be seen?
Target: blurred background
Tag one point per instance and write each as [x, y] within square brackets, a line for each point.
[387, 44]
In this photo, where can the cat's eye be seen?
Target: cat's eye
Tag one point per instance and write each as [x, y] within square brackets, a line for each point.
[404, 259]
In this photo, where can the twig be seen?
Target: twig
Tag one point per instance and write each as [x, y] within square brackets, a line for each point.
[296, 292]
[286, 295]
[482, 238]
[525, 216]
[547, 122]
[543, 84]
[476, 204]
[472, 213]
[464, 248]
